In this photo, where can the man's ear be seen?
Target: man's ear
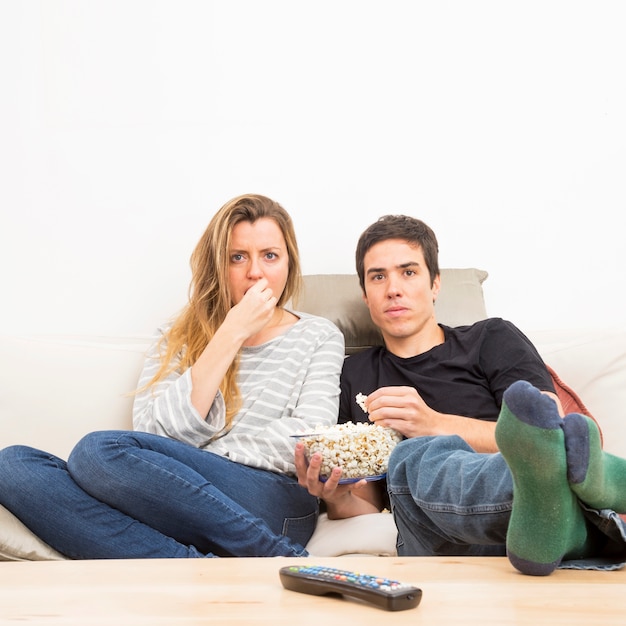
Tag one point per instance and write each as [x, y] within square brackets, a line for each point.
[436, 287]
[364, 296]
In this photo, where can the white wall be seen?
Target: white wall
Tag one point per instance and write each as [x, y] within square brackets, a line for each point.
[125, 124]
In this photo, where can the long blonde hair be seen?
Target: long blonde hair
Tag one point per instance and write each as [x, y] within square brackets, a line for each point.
[210, 295]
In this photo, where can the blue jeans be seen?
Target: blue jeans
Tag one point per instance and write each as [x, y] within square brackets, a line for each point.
[448, 500]
[128, 494]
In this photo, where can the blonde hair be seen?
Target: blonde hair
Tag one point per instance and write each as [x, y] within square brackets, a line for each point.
[210, 295]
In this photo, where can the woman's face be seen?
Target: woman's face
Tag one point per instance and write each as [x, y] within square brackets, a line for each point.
[258, 250]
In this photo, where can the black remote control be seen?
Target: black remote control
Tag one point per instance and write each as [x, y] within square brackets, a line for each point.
[318, 580]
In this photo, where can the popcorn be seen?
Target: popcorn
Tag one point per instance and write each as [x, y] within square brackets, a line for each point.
[360, 449]
[360, 400]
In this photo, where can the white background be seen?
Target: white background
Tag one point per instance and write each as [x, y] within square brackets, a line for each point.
[124, 125]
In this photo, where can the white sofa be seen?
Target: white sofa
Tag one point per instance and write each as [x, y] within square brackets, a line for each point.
[54, 389]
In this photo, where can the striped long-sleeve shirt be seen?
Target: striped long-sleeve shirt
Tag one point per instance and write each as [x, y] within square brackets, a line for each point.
[289, 385]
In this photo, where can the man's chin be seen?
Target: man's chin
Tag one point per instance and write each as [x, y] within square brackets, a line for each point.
[398, 330]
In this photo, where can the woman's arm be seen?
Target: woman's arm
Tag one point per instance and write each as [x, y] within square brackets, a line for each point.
[188, 405]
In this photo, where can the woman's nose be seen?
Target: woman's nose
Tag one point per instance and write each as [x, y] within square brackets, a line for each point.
[254, 269]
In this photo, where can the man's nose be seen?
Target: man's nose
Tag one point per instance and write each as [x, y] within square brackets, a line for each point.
[393, 287]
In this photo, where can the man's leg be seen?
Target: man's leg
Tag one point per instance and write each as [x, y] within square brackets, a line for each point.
[598, 478]
[448, 499]
[547, 523]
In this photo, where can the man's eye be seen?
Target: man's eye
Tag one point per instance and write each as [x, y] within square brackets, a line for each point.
[410, 272]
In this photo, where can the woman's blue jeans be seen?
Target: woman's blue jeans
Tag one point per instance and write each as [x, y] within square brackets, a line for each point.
[125, 494]
[447, 499]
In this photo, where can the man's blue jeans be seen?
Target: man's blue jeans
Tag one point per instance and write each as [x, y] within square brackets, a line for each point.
[447, 499]
[125, 494]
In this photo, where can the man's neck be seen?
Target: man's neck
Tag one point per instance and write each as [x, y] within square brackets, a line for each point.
[426, 339]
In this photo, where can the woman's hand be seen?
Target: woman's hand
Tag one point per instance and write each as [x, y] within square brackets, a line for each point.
[253, 312]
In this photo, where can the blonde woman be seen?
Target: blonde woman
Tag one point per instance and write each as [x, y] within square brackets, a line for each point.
[209, 468]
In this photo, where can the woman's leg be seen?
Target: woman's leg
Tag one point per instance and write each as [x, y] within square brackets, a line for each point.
[36, 487]
[195, 496]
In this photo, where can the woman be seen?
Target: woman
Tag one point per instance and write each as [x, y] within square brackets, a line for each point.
[209, 469]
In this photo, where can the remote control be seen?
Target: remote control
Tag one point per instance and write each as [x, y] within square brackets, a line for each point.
[391, 595]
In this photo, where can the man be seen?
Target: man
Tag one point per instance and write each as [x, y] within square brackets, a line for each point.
[458, 396]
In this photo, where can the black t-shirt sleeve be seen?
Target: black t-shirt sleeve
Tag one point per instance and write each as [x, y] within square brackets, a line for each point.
[507, 355]
[359, 375]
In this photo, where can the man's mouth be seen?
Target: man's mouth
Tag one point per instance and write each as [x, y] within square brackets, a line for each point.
[395, 311]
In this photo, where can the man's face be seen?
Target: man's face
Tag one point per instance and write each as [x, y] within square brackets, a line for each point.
[398, 292]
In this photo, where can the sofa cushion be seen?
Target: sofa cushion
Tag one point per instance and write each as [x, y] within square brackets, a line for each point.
[373, 534]
[18, 543]
[339, 298]
[58, 388]
[593, 363]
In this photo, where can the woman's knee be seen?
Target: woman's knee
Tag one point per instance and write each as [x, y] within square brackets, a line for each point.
[13, 457]
[23, 466]
[92, 450]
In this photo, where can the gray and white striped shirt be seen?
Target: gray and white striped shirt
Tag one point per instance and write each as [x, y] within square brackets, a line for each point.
[289, 385]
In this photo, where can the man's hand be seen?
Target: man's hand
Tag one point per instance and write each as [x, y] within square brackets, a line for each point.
[341, 500]
[309, 477]
[402, 409]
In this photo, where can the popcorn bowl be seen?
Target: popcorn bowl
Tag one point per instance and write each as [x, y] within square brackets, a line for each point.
[361, 450]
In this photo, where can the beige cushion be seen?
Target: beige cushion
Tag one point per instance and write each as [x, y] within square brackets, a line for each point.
[17, 543]
[339, 298]
[374, 534]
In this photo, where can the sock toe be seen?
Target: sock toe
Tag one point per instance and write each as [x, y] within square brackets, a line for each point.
[532, 406]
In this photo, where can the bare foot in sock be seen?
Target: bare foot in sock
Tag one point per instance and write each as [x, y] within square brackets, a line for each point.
[546, 521]
[597, 477]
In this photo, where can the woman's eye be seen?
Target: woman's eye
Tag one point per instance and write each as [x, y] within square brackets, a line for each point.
[271, 256]
[235, 258]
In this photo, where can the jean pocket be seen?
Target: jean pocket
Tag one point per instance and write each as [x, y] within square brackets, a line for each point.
[300, 529]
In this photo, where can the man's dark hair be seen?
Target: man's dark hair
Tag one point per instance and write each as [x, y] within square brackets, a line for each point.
[409, 229]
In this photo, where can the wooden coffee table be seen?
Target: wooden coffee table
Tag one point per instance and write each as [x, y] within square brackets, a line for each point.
[476, 590]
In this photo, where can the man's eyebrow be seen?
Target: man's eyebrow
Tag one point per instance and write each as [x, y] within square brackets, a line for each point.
[402, 266]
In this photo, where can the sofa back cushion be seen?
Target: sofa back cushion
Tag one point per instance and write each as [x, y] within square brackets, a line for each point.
[338, 297]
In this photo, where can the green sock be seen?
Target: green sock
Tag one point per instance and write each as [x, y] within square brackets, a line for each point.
[597, 477]
[547, 523]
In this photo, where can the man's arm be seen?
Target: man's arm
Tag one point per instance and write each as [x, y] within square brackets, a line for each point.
[404, 410]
